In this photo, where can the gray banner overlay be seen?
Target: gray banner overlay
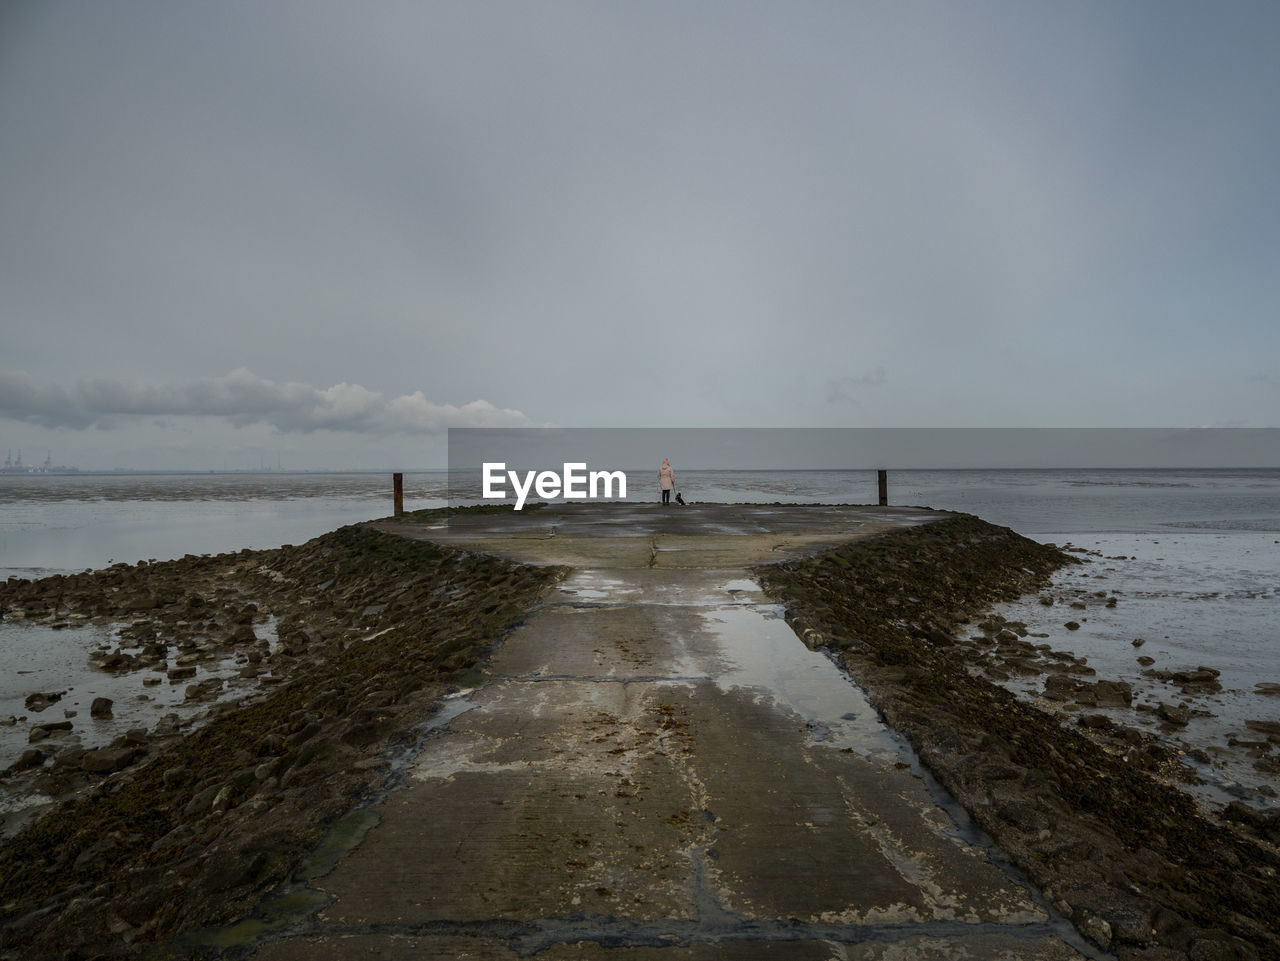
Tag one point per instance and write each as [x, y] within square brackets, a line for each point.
[519, 465]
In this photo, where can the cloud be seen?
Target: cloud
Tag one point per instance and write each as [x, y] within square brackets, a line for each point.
[841, 390]
[241, 398]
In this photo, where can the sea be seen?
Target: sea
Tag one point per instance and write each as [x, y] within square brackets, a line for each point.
[1191, 556]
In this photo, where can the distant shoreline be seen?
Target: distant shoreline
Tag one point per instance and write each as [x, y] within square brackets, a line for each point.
[257, 472]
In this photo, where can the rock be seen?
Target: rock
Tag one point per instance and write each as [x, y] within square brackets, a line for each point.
[1064, 687]
[1270, 728]
[31, 757]
[1113, 693]
[266, 769]
[1130, 921]
[1023, 815]
[1201, 680]
[1098, 931]
[208, 688]
[1139, 641]
[1219, 948]
[1130, 735]
[1146, 661]
[1060, 687]
[222, 800]
[101, 707]
[200, 803]
[227, 869]
[70, 758]
[1046, 600]
[1072, 626]
[105, 760]
[1267, 687]
[1171, 714]
[137, 603]
[116, 660]
[305, 734]
[39, 701]
[1240, 812]
[42, 731]
[181, 673]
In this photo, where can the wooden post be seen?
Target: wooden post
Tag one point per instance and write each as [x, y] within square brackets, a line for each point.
[397, 481]
[883, 478]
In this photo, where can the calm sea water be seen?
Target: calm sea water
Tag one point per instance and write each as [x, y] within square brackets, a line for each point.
[58, 523]
[1200, 582]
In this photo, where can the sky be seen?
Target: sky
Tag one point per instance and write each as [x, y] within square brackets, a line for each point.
[316, 234]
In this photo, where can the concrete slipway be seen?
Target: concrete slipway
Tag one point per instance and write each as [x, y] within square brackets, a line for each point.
[656, 767]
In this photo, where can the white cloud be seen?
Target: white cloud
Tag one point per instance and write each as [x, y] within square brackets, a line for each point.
[241, 398]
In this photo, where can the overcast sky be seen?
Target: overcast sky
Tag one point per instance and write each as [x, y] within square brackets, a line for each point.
[316, 233]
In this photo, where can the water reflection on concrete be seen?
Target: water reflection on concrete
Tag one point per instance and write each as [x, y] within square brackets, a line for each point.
[763, 654]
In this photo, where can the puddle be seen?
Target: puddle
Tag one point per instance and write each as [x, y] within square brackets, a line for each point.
[40, 658]
[763, 654]
[591, 586]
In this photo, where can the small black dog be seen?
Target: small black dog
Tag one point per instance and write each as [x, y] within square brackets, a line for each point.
[679, 499]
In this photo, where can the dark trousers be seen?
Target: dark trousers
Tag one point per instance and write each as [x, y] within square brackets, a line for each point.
[666, 497]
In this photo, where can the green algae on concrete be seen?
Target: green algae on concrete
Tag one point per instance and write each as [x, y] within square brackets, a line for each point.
[346, 833]
[275, 915]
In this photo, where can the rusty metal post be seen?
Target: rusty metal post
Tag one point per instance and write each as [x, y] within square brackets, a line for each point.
[883, 478]
[398, 487]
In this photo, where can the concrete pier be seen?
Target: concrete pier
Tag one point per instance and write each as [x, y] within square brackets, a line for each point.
[656, 767]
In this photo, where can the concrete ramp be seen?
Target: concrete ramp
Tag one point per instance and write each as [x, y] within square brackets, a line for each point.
[656, 767]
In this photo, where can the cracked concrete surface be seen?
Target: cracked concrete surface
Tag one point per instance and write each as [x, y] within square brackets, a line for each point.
[656, 767]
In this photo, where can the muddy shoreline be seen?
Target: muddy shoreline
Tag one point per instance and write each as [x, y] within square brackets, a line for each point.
[1094, 821]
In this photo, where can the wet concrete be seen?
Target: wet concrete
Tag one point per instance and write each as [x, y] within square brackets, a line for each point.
[656, 767]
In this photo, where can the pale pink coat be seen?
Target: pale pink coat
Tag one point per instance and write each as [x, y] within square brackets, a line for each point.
[666, 476]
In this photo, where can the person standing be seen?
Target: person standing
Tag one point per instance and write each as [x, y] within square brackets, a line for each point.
[667, 479]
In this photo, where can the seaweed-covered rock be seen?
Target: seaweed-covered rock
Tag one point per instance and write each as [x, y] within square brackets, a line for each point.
[273, 773]
[41, 700]
[1129, 859]
[105, 760]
